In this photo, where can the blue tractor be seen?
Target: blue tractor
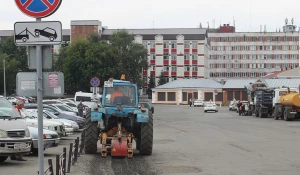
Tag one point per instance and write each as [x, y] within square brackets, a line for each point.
[117, 121]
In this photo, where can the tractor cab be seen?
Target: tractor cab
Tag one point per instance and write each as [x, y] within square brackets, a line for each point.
[120, 93]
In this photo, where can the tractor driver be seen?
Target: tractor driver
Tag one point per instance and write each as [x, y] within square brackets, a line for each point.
[116, 93]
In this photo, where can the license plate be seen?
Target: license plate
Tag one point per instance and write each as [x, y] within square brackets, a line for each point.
[20, 146]
[293, 112]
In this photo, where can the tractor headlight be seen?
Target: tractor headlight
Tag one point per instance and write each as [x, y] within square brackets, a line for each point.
[3, 134]
[27, 132]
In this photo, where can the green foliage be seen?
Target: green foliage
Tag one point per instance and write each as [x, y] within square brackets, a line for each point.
[151, 84]
[15, 61]
[162, 80]
[95, 57]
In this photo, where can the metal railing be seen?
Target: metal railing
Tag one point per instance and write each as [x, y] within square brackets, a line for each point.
[61, 160]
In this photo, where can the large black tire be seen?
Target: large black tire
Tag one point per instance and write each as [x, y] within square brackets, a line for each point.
[146, 140]
[275, 113]
[91, 134]
[3, 158]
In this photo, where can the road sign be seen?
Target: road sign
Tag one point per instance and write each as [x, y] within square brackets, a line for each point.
[95, 82]
[47, 57]
[38, 8]
[53, 80]
[38, 33]
[27, 84]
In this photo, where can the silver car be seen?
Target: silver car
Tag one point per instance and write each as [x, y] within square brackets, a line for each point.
[14, 134]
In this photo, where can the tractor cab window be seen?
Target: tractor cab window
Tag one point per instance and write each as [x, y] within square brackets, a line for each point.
[120, 95]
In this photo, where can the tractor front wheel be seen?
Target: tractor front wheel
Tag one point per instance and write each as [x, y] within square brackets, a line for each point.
[145, 142]
[90, 134]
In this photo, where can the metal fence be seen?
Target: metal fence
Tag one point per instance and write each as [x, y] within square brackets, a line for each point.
[62, 167]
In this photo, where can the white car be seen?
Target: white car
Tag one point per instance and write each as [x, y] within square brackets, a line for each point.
[198, 103]
[210, 107]
[62, 111]
[32, 120]
[70, 125]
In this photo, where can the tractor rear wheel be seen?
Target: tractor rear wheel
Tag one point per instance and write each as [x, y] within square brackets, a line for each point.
[90, 132]
[145, 144]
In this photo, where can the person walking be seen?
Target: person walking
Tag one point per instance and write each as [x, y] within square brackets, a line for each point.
[239, 104]
[191, 102]
[19, 105]
[80, 107]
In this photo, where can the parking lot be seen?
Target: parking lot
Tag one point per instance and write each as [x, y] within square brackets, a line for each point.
[30, 167]
[189, 141]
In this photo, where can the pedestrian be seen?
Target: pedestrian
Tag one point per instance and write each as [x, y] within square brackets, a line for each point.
[191, 101]
[19, 105]
[239, 104]
[80, 107]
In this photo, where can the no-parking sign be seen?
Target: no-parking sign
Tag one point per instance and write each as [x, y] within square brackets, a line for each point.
[38, 8]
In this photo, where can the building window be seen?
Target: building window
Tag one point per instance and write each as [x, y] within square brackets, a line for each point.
[195, 68]
[174, 56]
[236, 57]
[269, 56]
[186, 44]
[174, 68]
[152, 44]
[284, 57]
[145, 44]
[171, 96]
[277, 65]
[152, 56]
[152, 67]
[268, 47]
[228, 65]
[268, 66]
[261, 57]
[186, 68]
[194, 77]
[293, 47]
[236, 66]
[186, 56]
[276, 47]
[293, 57]
[195, 45]
[186, 77]
[228, 47]
[252, 47]
[293, 65]
[173, 78]
[166, 45]
[166, 56]
[166, 68]
[284, 47]
[174, 46]
[244, 65]
[244, 57]
[260, 66]
[211, 66]
[194, 56]
[161, 96]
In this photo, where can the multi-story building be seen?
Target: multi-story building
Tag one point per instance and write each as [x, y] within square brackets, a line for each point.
[251, 54]
[178, 53]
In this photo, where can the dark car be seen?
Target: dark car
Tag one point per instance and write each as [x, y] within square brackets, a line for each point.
[46, 32]
[79, 120]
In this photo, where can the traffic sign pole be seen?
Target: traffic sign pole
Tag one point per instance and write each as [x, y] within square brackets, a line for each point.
[39, 72]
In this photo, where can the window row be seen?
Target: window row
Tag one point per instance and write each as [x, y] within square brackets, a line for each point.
[166, 56]
[268, 47]
[254, 65]
[237, 74]
[252, 57]
[186, 68]
[173, 44]
[254, 38]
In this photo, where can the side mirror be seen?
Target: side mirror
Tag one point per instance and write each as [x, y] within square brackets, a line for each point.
[152, 109]
[48, 117]
[56, 113]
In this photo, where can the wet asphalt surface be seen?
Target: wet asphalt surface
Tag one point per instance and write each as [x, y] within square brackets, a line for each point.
[189, 141]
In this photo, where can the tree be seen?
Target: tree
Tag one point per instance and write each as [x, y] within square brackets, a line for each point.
[162, 79]
[151, 84]
[84, 59]
[16, 60]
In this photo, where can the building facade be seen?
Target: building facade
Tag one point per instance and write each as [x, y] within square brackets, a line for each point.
[249, 55]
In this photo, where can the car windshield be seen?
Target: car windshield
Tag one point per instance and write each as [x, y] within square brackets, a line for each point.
[71, 104]
[7, 110]
[146, 105]
[51, 115]
[62, 107]
[83, 98]
[120, 95]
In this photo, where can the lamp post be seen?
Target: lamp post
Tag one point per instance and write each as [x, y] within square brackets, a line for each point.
[4, 77]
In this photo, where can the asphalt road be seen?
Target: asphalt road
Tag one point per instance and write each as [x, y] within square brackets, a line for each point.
[189, 141]
[30, 167]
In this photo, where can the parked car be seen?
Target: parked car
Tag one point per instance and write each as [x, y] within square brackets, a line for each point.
[210, 107]
[79, 120]
[232, 106]
[66, 108]
[73, 125]
[32, 120]
[198, 103]
[51, 139]
[14, 134]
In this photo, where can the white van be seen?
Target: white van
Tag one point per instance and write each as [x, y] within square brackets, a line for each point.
[85, 97]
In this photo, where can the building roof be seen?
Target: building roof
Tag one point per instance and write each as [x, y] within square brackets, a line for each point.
[273, 75]
[159, 31]
[290, 73]
[191, 83]
[293, 83]
[238, 84]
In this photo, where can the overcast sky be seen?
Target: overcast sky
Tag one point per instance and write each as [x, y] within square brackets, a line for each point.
[166, 13]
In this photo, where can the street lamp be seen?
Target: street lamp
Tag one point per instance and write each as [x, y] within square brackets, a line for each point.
[4, 79]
